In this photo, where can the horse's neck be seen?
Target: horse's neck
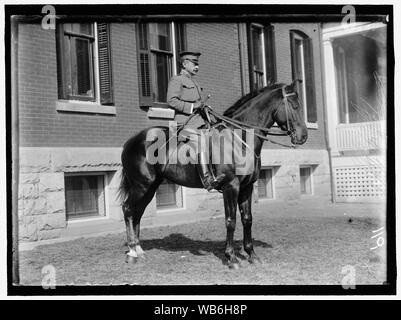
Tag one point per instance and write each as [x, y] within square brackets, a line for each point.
[257, 113]
[257, 116]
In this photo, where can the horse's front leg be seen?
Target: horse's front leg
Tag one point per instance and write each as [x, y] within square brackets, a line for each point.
[230, 194]
[245, 208]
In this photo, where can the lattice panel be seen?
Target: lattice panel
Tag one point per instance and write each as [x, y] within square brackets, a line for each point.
[360, 182]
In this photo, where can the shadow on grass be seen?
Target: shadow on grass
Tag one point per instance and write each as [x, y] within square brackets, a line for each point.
[179, 242]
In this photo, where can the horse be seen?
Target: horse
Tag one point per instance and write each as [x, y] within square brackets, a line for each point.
[276, 103]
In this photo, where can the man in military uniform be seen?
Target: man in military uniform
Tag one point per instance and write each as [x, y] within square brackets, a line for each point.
[184, 95]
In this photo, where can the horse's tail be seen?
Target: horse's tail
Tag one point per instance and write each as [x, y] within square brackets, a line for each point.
[124, 188]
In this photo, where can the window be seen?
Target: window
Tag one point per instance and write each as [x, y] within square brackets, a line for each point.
[302, 69]
[305, 174]
[158, 46]
[265, 184]
[261, 55]
[84, 196]
[84, 63]
[360, 64]
[169, 195]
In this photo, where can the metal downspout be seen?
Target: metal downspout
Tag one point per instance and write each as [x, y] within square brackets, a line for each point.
[325, 119]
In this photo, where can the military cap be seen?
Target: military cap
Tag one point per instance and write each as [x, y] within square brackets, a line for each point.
[191, 56]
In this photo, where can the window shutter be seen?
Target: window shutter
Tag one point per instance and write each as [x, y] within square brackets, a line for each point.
[146, 97]
[270, 54]
[310, 81]
[61, 63]
[250, 57]
[105, 73]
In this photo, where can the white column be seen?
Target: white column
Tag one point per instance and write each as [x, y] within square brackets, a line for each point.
[331, 94]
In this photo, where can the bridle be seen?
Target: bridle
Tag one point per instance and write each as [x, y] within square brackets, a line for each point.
[290, 129]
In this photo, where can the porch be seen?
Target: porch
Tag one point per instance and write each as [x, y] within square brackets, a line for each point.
[361, 136]
[356, 100]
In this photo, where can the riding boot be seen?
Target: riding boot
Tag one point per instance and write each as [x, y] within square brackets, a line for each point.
[209, 182]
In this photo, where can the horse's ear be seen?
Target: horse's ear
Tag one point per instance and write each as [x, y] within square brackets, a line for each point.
[294, 83]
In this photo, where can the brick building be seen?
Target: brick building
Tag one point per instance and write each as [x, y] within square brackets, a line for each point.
[85, 88]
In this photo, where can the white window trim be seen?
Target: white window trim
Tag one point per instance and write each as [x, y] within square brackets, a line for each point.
[172, 27]
[96, 65]
[84, 106]
[75, 105]
[106, 197]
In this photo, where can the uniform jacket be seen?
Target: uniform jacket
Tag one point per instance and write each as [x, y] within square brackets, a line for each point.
[182, 92]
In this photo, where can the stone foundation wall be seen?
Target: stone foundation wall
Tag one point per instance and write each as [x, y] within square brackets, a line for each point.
[286, 164]
[41, 194]
[41, 205]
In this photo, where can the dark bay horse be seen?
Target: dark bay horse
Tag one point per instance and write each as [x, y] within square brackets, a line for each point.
[277, 103]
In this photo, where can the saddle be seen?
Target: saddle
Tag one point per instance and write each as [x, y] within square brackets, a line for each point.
[185, 135]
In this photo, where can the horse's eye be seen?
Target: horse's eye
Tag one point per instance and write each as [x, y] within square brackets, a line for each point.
[295, 102]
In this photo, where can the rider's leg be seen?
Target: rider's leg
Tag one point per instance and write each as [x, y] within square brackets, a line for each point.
[209, 182]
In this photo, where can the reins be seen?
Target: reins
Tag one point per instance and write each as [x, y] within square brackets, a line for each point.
[239, 124]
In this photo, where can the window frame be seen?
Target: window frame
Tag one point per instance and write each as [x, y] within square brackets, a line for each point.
[268, 54]
[166, 53]
[179, 199]
[65, 41]
[311, 169]
[309, 96]
[273, 191]
[105, 181]
[146, 67]
[99, 103]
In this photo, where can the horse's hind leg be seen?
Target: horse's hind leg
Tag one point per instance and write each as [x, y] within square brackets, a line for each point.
[133, 212]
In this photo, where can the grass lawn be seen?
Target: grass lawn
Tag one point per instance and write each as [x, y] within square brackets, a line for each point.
[311, 249]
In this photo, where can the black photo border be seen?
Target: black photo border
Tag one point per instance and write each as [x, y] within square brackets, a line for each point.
[211, 13]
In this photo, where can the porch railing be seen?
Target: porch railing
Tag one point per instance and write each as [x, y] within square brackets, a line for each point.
[361, 136]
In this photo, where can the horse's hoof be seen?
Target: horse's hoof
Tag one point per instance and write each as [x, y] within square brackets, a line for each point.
[130, 259]
[234, 266]
[254, 260]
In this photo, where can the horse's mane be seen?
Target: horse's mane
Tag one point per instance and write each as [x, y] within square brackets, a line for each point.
[240, 104]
